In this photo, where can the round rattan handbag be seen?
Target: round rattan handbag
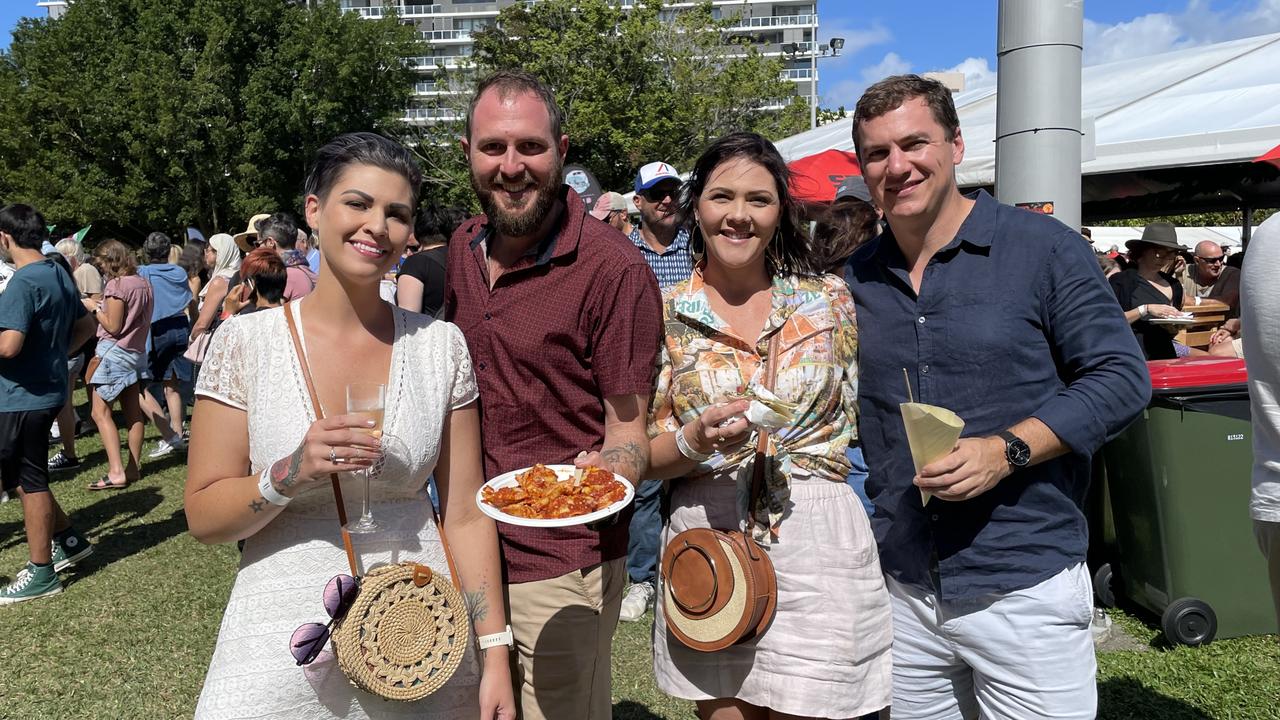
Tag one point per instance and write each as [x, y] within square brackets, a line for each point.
[408, 629]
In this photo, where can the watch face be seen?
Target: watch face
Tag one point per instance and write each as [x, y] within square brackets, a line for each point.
[1018, 453]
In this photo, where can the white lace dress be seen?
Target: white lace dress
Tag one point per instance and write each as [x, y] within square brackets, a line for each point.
[251, 365]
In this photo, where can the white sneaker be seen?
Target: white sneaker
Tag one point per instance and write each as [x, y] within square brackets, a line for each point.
[636, 602]
[164, 447]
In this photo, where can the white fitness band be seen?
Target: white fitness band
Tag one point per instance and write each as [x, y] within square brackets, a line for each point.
[502, 638]
[268, 490]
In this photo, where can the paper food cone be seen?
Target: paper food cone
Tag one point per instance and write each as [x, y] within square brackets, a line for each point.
[932, 432]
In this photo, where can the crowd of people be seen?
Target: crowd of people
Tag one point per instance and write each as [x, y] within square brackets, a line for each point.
[546, 331]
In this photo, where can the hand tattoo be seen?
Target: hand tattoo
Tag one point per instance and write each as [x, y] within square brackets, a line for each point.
[285, 471]
[257, 505]
[477, 603]
[628, 459]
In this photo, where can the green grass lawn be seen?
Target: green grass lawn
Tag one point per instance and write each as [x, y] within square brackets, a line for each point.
[132, 633]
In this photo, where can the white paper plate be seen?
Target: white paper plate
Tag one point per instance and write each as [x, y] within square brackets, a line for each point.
[564, 472]
[1172, 321]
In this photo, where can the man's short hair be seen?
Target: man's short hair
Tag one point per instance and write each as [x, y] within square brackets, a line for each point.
[280, 227]
[517, 82]
[156, 248]
[25, 224]
[435, 224]
[890, 93]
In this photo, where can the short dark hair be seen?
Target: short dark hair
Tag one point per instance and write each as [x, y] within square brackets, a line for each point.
[25, 224]
[280, 227]
[156, 248]
[890, 93]
[361, 148]
[192, 259]
[435, 224]
[266, 269]
[841, 228]
[517, 82]
[794, 255]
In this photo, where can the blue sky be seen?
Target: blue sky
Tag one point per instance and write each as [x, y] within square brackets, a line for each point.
[883, 38]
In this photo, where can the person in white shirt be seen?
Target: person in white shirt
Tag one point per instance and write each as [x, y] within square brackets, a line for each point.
[1259, 317]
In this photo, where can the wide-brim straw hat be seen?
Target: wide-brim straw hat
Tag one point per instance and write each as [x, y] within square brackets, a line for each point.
[1160, 234]
[242, 238]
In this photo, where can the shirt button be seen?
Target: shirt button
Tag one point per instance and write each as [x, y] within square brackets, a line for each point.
[933, 518]
[924, 369]
[487, 316]
[480, 365]
[920, 319]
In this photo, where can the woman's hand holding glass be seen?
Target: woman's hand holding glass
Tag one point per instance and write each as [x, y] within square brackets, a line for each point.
[342, 443]
[720, 428]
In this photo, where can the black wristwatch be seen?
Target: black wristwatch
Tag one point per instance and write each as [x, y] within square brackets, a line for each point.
[1016, 450]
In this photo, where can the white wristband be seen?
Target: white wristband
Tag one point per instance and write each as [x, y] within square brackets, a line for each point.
[503, 638]
[682, 444]
[1142, 311]
[268, 490]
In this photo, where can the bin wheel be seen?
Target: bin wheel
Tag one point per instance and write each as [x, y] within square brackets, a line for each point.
[1188, 621]
[1104, 586]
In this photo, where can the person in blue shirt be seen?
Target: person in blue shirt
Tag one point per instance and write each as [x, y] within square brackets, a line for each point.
[40, 318]
[170, 331]
[1002, 316]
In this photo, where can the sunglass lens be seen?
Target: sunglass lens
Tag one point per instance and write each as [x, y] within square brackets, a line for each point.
[307, 642]
[339, 594]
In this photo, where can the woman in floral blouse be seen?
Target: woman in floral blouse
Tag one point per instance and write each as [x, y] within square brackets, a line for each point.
[826, 653]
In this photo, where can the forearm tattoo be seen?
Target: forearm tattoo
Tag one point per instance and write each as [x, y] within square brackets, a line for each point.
[477, 603]
[629, 459]
[285, 472]
[257, 505]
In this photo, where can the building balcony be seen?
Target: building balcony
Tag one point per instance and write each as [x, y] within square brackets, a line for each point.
[797, 74]
[445, 36]
[426, 115]
[772, 22]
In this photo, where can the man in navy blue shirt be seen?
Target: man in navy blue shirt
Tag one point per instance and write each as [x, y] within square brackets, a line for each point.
[1002, 316]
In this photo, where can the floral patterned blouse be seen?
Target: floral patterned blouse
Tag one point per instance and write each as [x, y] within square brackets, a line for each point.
[703, 362]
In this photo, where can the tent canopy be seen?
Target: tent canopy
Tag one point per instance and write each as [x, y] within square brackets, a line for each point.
[817, 177]
[1151, 119]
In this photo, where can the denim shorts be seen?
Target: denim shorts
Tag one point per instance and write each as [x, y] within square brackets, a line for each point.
[168, 342]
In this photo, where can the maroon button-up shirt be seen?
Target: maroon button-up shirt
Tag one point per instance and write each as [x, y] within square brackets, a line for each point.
[575, 322]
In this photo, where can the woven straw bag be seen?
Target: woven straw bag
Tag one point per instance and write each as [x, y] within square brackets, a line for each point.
[408, 629]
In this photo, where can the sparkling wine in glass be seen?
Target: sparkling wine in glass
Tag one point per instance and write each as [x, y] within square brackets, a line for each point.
[367, 399]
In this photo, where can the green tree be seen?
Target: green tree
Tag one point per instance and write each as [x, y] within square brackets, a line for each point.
[634, 87]
[1224, 218]
[147, 114]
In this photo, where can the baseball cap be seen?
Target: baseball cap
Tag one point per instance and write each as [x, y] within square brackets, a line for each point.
[608, 202]
[653, 173]
[855, 187]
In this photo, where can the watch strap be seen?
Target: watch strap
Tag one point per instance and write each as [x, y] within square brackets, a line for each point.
[495, 639]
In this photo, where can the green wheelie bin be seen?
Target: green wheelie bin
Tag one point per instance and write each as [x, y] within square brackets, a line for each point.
[1178, 480]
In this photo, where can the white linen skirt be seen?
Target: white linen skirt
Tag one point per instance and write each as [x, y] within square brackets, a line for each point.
[827, 652]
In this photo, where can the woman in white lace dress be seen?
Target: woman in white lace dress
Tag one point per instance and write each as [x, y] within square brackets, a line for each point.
[254, 422]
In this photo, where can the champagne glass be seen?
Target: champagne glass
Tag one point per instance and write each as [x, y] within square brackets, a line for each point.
[367, 399]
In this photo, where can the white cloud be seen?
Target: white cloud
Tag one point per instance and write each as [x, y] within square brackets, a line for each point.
[977, 73]
[891, 64]
[1197, 24]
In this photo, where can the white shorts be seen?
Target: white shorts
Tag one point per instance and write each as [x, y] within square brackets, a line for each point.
[1020, 655]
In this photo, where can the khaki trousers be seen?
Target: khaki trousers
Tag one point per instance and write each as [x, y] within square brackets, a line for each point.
[1268, 534]
[563, 629]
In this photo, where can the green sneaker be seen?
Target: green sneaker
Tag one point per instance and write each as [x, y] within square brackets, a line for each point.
[72, 549]
[32, 582]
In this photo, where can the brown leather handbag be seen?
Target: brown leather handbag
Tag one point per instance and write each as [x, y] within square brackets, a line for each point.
[718, 586]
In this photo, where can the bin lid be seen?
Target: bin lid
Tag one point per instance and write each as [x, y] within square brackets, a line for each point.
[1196, 372]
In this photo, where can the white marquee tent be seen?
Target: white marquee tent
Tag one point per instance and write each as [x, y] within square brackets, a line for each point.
[1200, 106]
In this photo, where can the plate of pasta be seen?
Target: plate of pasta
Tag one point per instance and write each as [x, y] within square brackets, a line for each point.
[554, 496]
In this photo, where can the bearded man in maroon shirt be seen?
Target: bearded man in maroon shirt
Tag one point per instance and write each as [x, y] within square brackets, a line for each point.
[563, 319]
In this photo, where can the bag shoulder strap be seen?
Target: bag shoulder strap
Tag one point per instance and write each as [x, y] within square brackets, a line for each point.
[333, 477]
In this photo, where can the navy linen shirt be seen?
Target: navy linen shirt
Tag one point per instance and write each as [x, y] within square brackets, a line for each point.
[1014, 320]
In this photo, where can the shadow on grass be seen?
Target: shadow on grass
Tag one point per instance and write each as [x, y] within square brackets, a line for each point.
[632, 710]
[1129, 699]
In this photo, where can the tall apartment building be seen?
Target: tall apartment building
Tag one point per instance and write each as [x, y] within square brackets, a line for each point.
[778, 28]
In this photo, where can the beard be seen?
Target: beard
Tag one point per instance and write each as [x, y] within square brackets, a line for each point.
[527, 219]
[654, 219]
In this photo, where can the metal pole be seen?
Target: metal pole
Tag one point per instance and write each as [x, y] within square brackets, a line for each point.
[1246, 226]
[1038, 105]
[813, 76]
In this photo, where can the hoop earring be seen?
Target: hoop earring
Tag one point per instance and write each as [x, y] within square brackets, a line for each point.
[774, 254]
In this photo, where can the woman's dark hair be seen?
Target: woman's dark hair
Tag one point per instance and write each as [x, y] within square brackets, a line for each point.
[156, 248]
[25, 224]
[115, 259]
[842, 228]
[791, 251]
[361, 148]
[435, 224]
[266, 269]
[192, 259]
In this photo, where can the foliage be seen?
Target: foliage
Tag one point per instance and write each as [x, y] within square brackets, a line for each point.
[139, 115]
[634, 87]
[827, 115]
[1202, 219]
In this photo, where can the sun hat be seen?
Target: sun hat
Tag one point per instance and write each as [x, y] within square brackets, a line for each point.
[242, 238]
[608, 203]
[654, 173]
[1159, 234]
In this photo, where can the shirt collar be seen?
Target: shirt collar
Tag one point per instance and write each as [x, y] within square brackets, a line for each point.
[978, 229]
[692, 304]
[563, 238]
[680, 244]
